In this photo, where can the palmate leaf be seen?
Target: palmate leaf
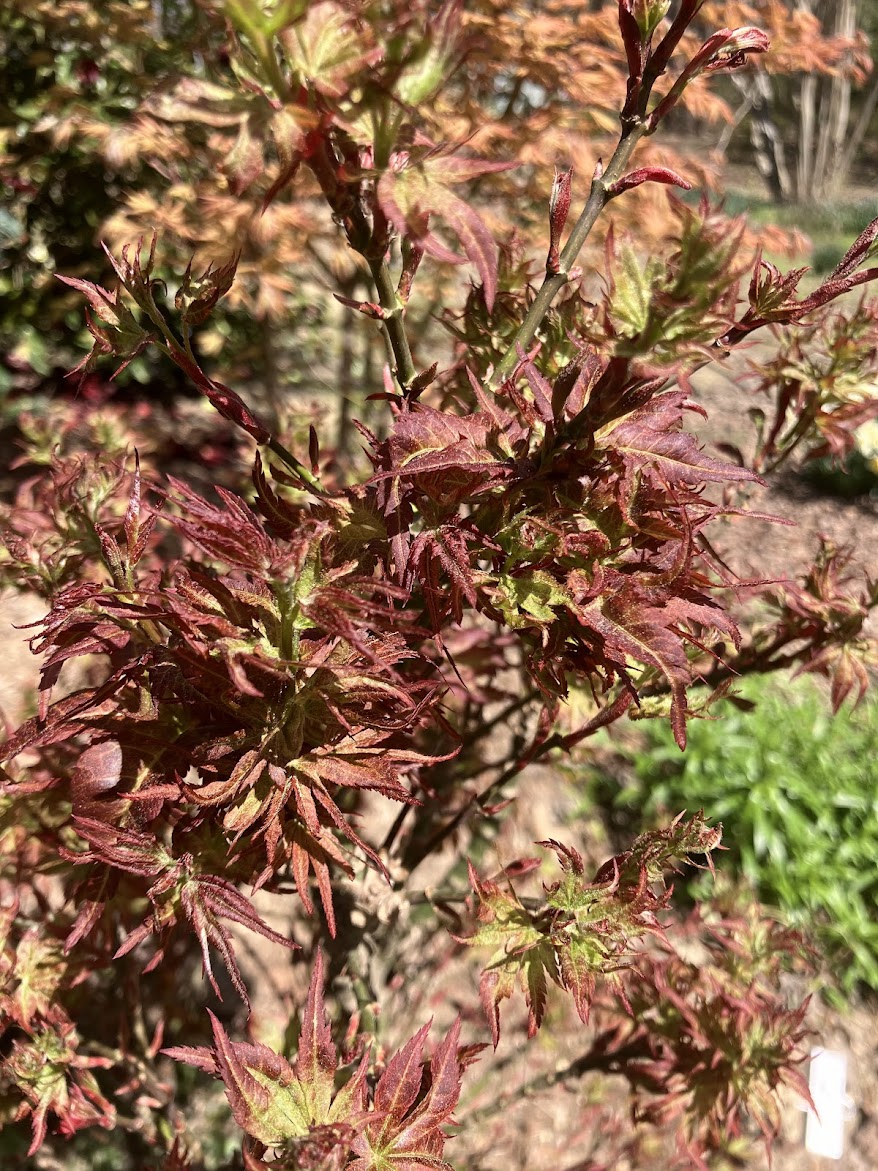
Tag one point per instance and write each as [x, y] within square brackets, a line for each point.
[34, 969]
[715, 1039]
[446, 457]
[230, 531]
[425, 440]
[652, 436]
[586, 929]
[405, 1130]
[530, 598]
[631, 628]
[291, 840]
[329, 48]
[294, 1106]
[273, 1100]
[413, 189]
[295, 809]
[113, 326]
[56, 1079]
[207, 902]
[522, 953]
[179, 893]
[267, 1101]
[441, 560]
[205, 102]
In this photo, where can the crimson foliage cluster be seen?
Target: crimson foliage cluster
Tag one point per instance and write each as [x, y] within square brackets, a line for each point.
[277, 662]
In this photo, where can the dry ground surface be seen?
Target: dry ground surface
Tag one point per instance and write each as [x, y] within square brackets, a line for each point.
[760, 548]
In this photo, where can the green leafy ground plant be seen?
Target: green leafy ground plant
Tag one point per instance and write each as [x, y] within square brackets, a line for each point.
[799, 786]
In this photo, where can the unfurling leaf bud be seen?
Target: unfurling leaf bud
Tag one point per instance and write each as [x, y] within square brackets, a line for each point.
[134, 274]
[865, 247]
[559, 209]
[648, 175]
[770, 288]
[412, 253]
[638, 20]
[113, 326]
[649, 14]
[421, 382]
[197, 296]
[726, 49]
[369, 308]
[229, 404]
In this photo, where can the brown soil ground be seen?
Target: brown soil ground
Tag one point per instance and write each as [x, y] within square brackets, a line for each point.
[760, 548]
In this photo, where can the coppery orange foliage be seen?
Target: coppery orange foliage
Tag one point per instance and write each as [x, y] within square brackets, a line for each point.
[555, 101]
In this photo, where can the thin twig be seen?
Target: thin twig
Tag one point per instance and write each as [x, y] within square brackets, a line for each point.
[478, 734]
[598, 198]
[480, 800]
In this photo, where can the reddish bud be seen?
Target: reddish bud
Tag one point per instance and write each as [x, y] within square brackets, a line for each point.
[633, 40]
[197, 296]
[369, 308]
[648, 14]
[863, 248]
[726, 49]
[421, 381]
[412, 254]
[559, 209]
[770, 288]
[648, 175]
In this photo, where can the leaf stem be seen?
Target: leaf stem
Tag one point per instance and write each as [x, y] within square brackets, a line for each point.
[263, 47]
[361, 236]
[287, 457]
[273, 444]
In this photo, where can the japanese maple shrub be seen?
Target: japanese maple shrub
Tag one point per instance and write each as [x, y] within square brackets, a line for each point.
[262, 671]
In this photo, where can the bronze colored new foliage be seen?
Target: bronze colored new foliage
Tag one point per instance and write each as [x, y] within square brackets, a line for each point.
[266, 670]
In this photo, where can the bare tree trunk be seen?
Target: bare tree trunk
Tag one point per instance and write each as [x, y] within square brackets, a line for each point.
[860, 130]
[805, 160]
[765, 137]
[821, 161]
[835, 110]
[824, 116]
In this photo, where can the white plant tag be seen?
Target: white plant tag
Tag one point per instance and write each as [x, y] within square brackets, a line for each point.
[824, 1135]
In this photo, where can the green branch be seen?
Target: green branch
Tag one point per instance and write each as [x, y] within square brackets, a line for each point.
[394, 326]
[598, 198]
